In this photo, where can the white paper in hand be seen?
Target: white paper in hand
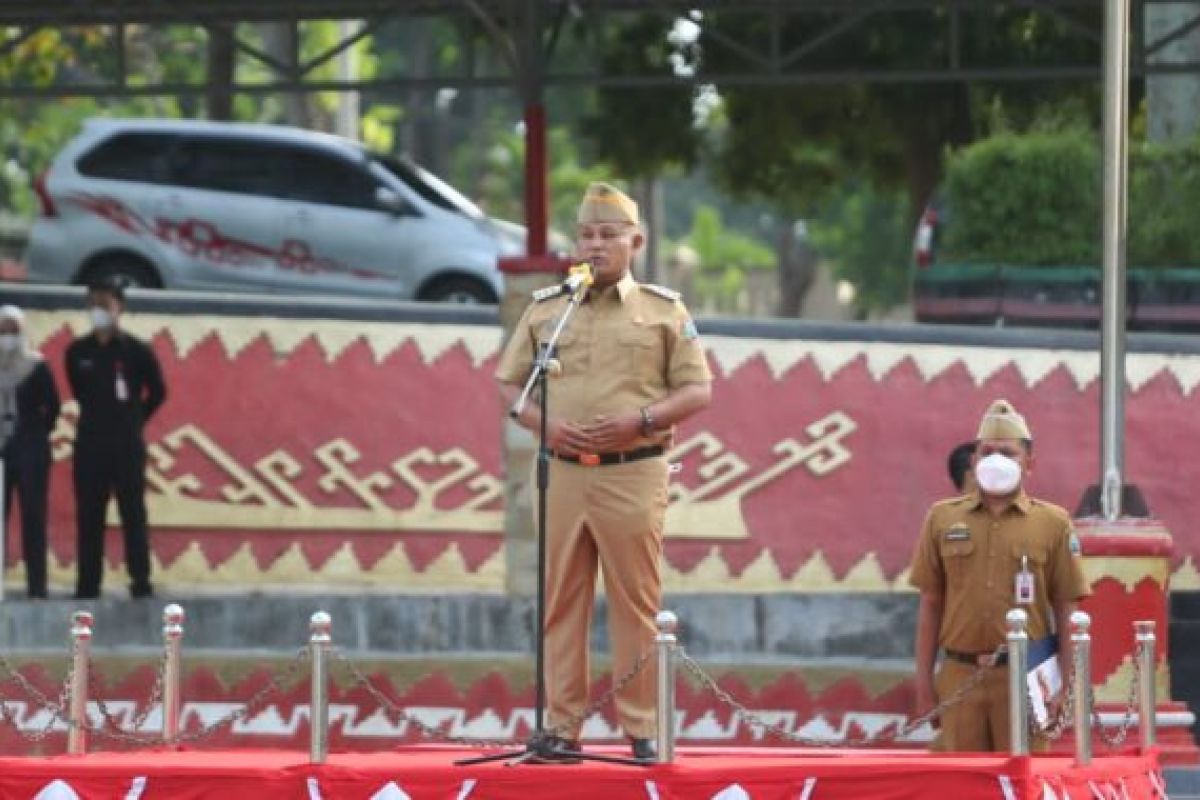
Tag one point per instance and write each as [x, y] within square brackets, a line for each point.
[1045, 682]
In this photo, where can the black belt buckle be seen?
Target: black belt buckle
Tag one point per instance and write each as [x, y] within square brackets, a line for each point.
[997, 658]
[605, 459]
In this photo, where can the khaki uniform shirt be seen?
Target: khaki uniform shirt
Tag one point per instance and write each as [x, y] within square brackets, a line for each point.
[971, 559]
[624, 348]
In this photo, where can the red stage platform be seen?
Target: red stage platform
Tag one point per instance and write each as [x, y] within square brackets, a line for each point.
[428, 773]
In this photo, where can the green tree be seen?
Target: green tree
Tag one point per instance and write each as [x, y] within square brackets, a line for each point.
[726, 257]
[863, 234]
[644, 131]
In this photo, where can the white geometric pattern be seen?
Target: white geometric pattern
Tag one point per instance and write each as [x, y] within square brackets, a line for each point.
[391, 792]
[56, 790]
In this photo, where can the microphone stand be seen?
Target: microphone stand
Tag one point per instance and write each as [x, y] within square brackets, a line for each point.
[538, 749]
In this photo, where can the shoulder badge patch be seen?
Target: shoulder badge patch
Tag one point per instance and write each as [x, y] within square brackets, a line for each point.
[688, 330]
[547, 293]
[661, 291]
[1074, 544]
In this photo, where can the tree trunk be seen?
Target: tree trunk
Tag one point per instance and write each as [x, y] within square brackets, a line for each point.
[221, 60]
[796, 266]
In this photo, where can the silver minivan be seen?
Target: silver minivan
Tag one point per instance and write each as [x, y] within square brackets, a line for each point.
[263, 208]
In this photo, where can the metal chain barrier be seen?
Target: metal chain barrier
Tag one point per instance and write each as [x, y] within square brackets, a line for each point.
[57, 710]
[886, 735]
[112, 727]
[1122, 728]
[1062, 722]
[390, 708]
[603, 700]
[274, 685]
[437, 734]
[113, 731]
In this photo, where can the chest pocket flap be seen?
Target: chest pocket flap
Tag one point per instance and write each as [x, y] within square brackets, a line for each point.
[639, 335]
[956, 549]
[1036, 552]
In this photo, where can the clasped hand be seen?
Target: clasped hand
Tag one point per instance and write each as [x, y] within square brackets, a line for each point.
[604, 434]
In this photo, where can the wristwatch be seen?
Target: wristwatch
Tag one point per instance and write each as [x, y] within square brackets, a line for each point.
[647, 421]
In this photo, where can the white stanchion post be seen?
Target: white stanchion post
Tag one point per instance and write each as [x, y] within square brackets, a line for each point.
[172, 676]
[1147, 691]
[81, 647]
[1018, 664]
[1081, 642]
[318, 642]
[664, 643]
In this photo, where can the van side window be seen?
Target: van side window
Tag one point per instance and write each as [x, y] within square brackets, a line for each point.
[314, 177]
[129, 157]
[225, 165]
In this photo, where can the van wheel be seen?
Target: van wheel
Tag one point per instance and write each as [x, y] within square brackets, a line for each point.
[458, 289]
[136, 271]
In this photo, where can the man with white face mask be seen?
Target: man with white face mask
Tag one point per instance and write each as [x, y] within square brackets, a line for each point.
[28, 410]
[119, 385]
[980, 555]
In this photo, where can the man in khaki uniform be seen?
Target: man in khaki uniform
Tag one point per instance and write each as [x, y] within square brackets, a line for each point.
[632, 367]
[980, 555]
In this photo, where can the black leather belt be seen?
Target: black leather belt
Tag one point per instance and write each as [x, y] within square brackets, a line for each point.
[988, 659]
[605, 459]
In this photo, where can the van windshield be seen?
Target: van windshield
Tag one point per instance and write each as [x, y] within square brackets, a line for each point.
[428, 185]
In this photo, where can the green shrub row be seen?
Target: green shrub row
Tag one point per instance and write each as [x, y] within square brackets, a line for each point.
[1035, 199]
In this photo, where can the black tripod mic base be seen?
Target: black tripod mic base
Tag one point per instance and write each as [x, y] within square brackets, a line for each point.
[542, 749]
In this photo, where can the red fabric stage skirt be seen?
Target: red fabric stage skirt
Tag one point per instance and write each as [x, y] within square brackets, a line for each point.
[429, 773]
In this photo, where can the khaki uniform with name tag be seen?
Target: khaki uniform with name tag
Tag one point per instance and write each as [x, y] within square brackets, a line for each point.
[983, 565]
[624, 348]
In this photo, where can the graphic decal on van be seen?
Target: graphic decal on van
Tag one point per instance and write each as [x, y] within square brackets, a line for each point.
[201, 239]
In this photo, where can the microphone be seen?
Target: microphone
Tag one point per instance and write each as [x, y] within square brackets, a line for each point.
[579, 278]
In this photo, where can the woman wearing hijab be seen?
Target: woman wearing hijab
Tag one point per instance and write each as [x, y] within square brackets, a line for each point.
[28, 409]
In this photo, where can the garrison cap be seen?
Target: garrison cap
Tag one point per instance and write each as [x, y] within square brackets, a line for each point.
[1001, 421]
[605, 203]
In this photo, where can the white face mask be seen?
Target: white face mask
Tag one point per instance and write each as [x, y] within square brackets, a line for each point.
[10, 342]
[998, 475]
[101, 319]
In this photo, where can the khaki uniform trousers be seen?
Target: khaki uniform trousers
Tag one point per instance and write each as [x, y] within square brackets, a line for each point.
[611, 516]
[978, 723]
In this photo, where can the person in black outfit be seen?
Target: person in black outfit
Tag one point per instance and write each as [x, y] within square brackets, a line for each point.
[28, 410]
[119, 385]
[958, 464]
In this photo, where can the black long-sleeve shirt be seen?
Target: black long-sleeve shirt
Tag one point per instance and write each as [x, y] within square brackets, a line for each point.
[37, 409]
[92, 370]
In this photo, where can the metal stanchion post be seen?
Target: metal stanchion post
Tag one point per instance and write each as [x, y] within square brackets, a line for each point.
[1147, 699]
[81, 646]
[172, 671]
[1081, 642]
[318, 642]
[1018, 665]
[665, 644]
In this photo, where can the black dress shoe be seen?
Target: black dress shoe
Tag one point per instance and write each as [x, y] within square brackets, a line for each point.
[559, 750]
[139, 590]
[643, 749]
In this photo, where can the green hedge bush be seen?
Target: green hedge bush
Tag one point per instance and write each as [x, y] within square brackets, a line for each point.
[1035, 199]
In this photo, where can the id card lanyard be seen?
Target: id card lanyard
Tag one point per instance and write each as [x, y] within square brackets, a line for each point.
[1023, 584]
[121, 388]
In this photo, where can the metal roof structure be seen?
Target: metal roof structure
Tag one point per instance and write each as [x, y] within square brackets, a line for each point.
[526, 35]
